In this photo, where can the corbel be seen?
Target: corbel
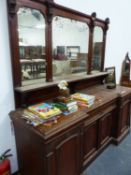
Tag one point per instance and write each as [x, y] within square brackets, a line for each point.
[92, 24]
[107, 22]
[49, 12]
[11, 7]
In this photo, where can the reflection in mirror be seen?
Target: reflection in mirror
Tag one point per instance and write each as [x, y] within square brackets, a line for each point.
[31, 32]
[70, 46]
[97, 49]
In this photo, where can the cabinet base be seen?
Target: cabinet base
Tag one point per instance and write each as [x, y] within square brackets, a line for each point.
[116, 141]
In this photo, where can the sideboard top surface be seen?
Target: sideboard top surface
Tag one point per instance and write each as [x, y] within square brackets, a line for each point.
[103, 96]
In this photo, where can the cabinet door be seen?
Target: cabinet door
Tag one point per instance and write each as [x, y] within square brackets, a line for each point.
[64, 157]
[90, 137]
[68, 156]
[125, 115]
[105, 128]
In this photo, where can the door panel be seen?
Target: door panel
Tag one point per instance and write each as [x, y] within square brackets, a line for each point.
[90, 140]
[68, 156]
[125, 116]
[105, 128]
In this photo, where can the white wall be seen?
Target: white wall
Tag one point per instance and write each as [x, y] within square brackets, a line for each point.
[6, 91]
[118, 43]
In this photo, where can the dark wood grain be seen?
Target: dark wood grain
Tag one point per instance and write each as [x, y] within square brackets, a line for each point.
[74, 141]
[48, 9]
[71, 144]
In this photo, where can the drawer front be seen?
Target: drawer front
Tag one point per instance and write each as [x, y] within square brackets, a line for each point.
[97, 114]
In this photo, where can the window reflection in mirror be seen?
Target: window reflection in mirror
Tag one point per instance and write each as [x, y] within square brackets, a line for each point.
[31, 32]
[97, 49]
[70, 46]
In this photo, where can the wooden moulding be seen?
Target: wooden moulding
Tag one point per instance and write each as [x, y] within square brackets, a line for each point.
[82, 136]
[32, 94]
[26, 95]
[108, 102]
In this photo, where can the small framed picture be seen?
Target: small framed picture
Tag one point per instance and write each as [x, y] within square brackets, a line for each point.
[111, 78]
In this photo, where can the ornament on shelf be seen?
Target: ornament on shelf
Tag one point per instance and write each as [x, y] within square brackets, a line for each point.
[63, 88]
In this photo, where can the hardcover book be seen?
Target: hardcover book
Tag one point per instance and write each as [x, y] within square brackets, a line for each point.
[85, 98]
[44, 110]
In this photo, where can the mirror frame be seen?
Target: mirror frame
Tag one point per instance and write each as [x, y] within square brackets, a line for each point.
[126, 76]
[99, 53]
[32, 59]
[49, 9]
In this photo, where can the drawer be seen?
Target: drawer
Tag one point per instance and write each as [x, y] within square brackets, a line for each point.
[97, 114]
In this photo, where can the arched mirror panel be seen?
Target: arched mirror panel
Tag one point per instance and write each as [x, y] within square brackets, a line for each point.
[97, 49]
[31, 35]
[70, 46]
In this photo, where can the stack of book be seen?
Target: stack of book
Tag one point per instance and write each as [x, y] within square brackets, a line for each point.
[41, 113]
[84, 99]
[66, 104]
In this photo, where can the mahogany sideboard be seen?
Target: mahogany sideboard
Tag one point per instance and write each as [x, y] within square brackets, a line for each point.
[68, 146]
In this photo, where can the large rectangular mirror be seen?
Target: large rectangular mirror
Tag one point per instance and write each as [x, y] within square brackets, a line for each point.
[70, 46]
[97, 49]
[50, 42]
[31, 33]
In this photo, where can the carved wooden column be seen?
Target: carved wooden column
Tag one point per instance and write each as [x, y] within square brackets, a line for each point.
[107, 21]
[48, 31]
[90, 49]
[12, 10]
